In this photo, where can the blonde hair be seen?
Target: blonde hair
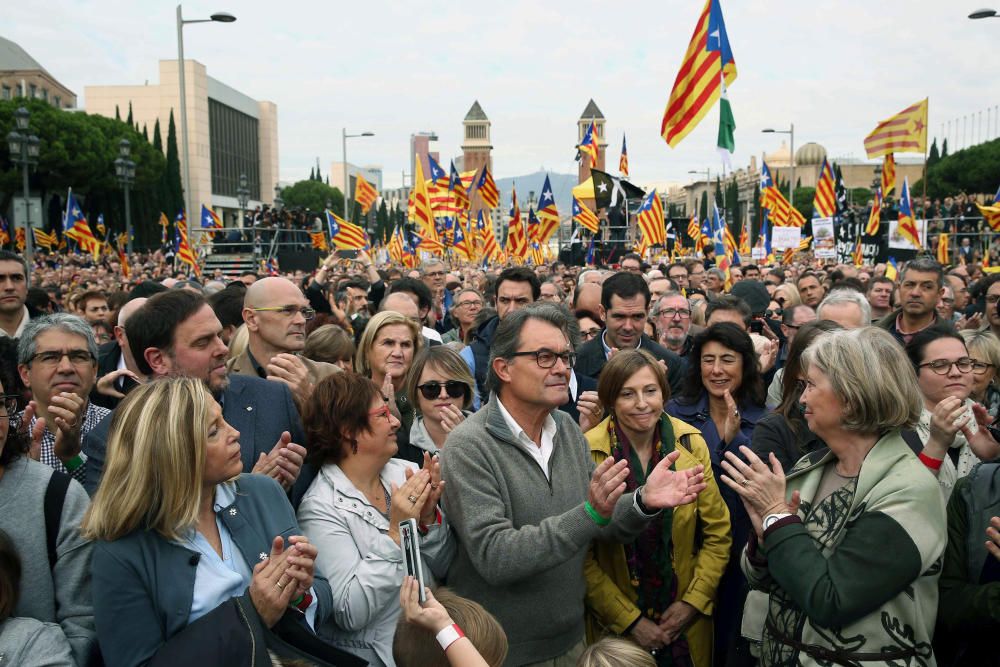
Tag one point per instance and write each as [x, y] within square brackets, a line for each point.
[615, 652]
[985, 343]
[792, 296]
[873, 402]
[375, 324]
[239, 342]
[155, 461]
[412, 645]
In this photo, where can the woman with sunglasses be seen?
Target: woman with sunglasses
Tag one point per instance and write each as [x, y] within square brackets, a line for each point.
[353, 509]
[440, 387]
[951, 427]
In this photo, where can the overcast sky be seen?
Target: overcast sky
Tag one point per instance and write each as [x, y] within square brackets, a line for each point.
[834, 69]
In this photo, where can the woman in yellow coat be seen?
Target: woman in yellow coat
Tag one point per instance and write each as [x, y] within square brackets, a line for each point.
[659, 590]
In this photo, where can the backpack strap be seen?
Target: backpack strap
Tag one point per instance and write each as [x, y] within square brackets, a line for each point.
[912, 439]
[55, 498]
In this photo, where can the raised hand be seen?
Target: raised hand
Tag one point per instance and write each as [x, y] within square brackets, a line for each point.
[607, 485]
[948, 417]
[271, 588]
[731, 427]
[66, 410]
[106, 384]
[760, 486]
[291, 370]
[408, 500]
[589, 407]
[671, 488]
[432, 616]
[451, 417]
[980, 439]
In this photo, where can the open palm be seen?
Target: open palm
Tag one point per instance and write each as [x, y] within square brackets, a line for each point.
[669, 488]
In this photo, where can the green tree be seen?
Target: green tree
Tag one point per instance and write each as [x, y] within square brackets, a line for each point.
[173, 187]
[313, 195]
[974, 170]
[703, 215]
[145, 133]
[944, 148]
[130, 120]
[157, 136]
[118, 115]
[934, 155]
[312, 174]
[804, 201]
[382, 222]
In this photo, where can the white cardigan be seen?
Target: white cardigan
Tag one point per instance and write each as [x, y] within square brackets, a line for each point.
[363, 565]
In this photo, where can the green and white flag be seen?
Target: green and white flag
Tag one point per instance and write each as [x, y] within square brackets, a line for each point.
[727, 126]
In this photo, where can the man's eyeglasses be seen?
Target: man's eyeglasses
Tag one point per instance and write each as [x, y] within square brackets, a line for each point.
[943, 366]
[434, 274]
[291, 311]
[590, 334]
[469, 304]
[547, 358]
[454, 388]
[53, 357]
[671, 313]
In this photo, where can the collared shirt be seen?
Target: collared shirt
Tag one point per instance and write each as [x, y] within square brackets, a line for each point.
[607, 348]
[216, 578]
[91, 418]
[261, 373]
[25, 318]
[907, 335]
[541, 453]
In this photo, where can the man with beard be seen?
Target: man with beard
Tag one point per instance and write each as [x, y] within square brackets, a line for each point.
[919, 292]
[672, 315]
[176, 333]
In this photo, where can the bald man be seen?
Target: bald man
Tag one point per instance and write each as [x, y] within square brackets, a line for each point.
[275, 313]
[117, 371]
[405, 304]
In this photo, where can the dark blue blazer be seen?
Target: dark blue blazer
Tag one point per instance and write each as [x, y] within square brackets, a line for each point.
[259, 409]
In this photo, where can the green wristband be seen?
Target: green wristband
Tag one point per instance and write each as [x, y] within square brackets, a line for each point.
[74, 463]
[598, 519]
[297, 601]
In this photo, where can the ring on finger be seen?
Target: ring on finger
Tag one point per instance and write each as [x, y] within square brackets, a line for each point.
[745, 482]
[280, 585]
[412, 499]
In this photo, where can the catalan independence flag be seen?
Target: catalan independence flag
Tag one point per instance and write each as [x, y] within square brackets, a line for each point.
[649, 217]
[548, 214]
[319, 241]
[420, 204]
[459, 195]
[906, 132]
[184, 252]
[588, 145]
[345, 235]
[584, 217]
[907, 226]
[623, 160]
[487, 188]
[4, 232]
[364, 193]
[210, 219]
[517, 242]
[943, 252]
[990, 213]
[75, 227]
[461, 245]
[825, 201]
[888, 174]
[707, 63]
[490, 249]
[874, 215]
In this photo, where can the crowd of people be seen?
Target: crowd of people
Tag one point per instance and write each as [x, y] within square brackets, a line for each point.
[640, 464]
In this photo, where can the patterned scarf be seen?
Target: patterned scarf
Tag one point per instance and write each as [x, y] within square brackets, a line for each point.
[649, 558]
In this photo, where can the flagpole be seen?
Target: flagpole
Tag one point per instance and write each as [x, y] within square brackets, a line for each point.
[924, 179]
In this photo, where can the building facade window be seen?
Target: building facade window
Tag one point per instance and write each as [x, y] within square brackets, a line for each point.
[45, 94]
[6, 92]
[57, 101]
[34, 91]
[234, 148]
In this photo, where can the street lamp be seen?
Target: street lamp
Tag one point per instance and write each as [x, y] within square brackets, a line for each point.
[24, 151]
[243, 196]
[218, 17]
[125, 171]
[345, 137]
[791, 183]
[984, 14]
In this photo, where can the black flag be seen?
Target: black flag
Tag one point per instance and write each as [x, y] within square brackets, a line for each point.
[609, 192]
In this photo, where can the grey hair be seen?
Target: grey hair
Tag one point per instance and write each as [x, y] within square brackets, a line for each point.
[579, 278]
[507, 337]
[71, 324]
[842, 296]
[665, 295]
[718, 273]
[426, 264]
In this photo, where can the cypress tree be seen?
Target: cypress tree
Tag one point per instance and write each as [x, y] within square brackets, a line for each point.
[174, 189]
[312, 173]
[118, 115]
[157, 136]
[934, 155]
[145, 133]
[944, 148]
[704, 206]
[129, 120]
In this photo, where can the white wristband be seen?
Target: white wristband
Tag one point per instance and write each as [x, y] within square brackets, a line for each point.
[449, 636]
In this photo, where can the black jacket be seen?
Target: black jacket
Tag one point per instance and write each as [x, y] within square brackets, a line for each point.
[583, 383]
[590, 360]
[108, 356]
[482, 340]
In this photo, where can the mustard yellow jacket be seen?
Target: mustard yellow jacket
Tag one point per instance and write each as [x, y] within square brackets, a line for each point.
[701, 540]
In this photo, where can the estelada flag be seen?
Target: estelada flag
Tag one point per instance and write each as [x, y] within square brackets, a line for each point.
[907, 226]
[364, 193]
[649, 217]
[487, 188]
[548, 214]
[345, 235]
[584, 217]
[906, 132]
[875, 215]
[707, 63]
[588, 145]
[888, 174]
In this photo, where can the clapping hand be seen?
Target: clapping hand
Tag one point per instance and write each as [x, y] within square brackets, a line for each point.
[761, 488]
[432, 464]
[589, 407]
[993, 537]
[671, 488]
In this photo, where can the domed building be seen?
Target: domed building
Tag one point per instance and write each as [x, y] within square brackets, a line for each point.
[808, 161]
[810, 154]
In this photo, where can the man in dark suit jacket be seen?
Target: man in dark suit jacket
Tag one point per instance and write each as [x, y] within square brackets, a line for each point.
[116, 356]
[624, 308]
[178, 334]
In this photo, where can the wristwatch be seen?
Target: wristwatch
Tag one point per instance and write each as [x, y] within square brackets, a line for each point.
[772, 519]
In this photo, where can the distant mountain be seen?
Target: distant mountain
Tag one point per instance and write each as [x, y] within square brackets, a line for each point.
[562, 189]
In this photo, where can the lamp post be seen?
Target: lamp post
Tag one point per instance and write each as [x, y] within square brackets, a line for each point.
[344, 137]
[243, 197]
[24, 151]
[708, 183]
[791, 183]
[125, 171]
[984, 14]
[218, 17]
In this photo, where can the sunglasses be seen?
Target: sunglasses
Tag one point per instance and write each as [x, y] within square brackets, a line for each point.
[431, 390]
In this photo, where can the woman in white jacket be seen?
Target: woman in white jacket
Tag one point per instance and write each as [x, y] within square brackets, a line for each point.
[353, 508]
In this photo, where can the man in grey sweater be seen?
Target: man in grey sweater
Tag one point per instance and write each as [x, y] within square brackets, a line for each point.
[525, 500]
